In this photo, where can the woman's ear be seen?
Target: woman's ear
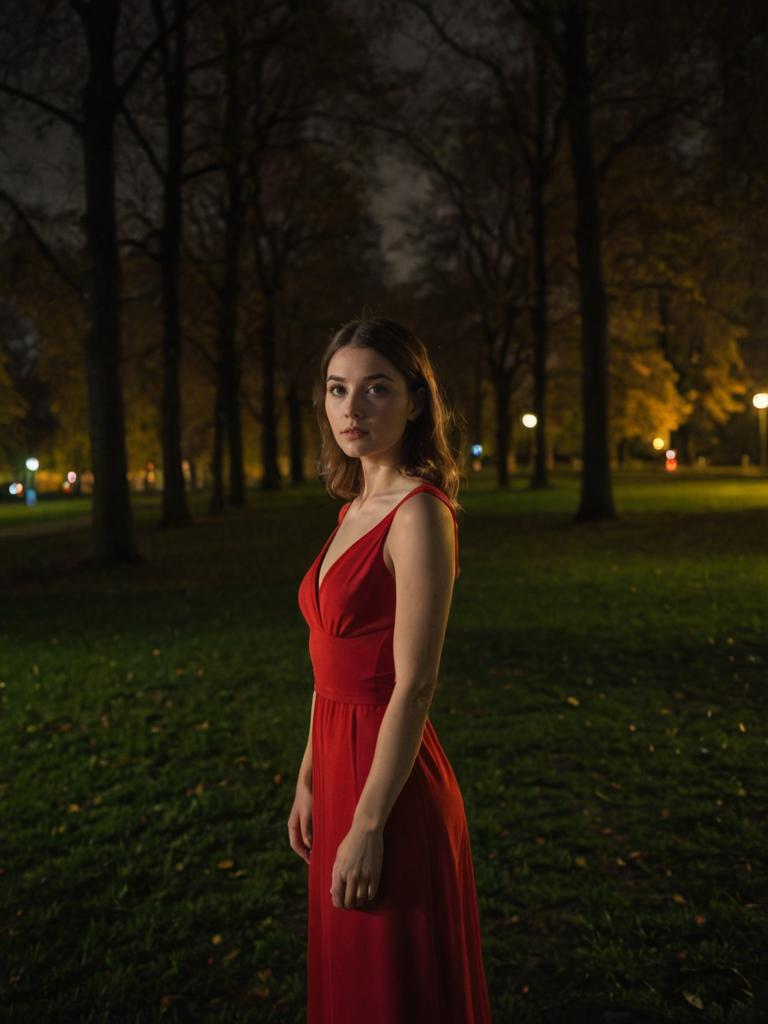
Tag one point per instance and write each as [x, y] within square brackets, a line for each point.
[418, 404]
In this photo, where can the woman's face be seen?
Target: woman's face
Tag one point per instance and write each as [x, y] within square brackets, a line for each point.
[364, 390]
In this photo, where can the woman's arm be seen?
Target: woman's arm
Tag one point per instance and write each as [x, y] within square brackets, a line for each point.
[305, 771]
[300, 818]
[422, 545]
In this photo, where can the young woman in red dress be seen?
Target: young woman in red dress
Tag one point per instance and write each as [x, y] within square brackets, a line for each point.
[393, 922]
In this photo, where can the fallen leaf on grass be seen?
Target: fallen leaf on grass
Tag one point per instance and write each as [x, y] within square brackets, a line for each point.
[693, 999]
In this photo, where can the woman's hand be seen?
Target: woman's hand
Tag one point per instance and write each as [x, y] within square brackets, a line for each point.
[357, 868]
[300, 821]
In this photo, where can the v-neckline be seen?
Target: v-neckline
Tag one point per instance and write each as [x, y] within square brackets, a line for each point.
[319, 584]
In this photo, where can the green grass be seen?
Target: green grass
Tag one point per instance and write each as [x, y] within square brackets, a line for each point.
[17, 514]
[601, 699]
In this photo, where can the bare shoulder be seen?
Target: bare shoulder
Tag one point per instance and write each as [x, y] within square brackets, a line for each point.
[422, 518]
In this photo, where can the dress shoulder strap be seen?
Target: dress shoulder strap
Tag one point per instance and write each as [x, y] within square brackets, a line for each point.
[426, 485]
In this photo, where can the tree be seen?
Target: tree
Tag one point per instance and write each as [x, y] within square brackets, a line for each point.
[93, 33]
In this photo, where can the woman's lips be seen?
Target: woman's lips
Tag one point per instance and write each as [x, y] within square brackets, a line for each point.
[352, 434]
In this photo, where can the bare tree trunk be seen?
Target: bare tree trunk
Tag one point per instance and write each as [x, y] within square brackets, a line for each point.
[216, 505]
[113, 531]
[270, 479]
[596, 495]
[686, 446]
[233, 423]
[476, 403]
[681, 439]
[229, 302]
[296, 434]
[539, 311]
[175, 509]
[501, 389]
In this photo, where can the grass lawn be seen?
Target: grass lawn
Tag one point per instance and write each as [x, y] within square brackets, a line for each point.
[602, 700]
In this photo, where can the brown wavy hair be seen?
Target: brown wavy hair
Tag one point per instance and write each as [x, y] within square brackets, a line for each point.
[428, 451]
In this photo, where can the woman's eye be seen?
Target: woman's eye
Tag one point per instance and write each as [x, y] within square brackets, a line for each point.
[333, 387]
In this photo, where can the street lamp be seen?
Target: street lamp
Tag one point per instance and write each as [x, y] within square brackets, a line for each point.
[760, 402]
[32, 465]
[529, 420]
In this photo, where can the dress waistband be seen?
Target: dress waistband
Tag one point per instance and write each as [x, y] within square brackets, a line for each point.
[343, 666]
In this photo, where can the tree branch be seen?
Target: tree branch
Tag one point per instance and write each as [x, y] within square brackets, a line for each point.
[37, 101]
[44, 248]
[142, 141]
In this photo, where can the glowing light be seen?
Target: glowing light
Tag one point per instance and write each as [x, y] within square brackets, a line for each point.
[671, 464]
[477, 449]
[16, 488]
[32, 464]
[71, 477]
[671, 454]
[529, 420]
[658, 443]
[760, 400]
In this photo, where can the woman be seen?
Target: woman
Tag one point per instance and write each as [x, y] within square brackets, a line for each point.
[393, 922]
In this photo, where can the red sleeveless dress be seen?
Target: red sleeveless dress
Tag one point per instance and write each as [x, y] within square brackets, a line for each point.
[412, 954]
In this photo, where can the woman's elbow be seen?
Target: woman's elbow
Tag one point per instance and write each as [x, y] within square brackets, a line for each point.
[417, 693]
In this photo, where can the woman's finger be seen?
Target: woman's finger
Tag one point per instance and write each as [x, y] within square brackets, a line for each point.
[296, 842]
[337, 888]
[350, 897]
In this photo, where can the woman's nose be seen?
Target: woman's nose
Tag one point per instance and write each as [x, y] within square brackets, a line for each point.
[354, 403]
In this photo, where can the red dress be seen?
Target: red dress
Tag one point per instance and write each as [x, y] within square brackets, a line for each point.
[413, 954]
